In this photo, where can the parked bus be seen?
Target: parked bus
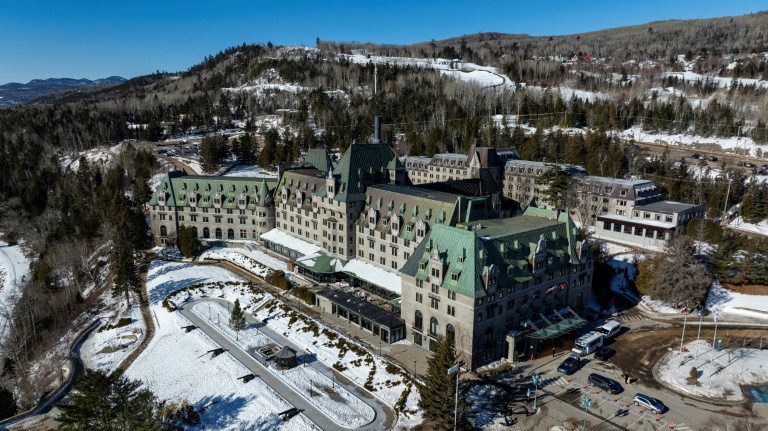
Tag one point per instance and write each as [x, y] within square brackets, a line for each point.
[588, 343]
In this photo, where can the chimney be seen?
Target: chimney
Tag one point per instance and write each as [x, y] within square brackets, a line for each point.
[377, 130]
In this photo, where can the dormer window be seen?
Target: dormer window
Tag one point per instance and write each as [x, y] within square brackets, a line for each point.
[454, 276]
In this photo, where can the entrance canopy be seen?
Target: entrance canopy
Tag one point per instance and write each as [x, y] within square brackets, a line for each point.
[556, 325]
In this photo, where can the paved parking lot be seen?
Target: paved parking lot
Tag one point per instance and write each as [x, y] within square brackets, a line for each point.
[564, 393]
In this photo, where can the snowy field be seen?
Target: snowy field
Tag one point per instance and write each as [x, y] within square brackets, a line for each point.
[719, 379]
[174, 362]
[107, 349]
[14, 267]
[336, 402]
[100, 157]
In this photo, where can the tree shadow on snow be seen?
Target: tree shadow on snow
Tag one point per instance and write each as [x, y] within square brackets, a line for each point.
[220, 412]
[159, 293]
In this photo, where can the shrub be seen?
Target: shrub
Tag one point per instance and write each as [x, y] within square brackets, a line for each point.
[303, 293]
[125, 321]
[693, 376]
[400, 404]
[338, 366]
[187, 242]
[277, 279]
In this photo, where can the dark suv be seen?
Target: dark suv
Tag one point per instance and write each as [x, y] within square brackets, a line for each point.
[649, 403]
[605, 383]
[569, 365]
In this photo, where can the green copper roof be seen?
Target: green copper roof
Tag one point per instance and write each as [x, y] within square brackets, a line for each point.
[179, 188]
[319, 159]
[468, 252]
[361, 166]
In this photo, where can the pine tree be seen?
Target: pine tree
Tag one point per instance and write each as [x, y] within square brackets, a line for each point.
[7, 404]
[557, 182]
[237, 318]
[108, 402]
[122, 261]
[439, 388]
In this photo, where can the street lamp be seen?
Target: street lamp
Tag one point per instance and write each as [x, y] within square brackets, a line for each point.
[586, 403]
[457, 370]
[536, 383]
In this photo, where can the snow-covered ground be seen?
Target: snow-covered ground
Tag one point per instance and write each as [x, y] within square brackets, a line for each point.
[174, 362]
[720, 82]
[758, 228]
[100, 156]
[254, 261]
[730, 143]
[171, 363]
[14, 267]
[729, 302]
[250, 171]
[339, 404]
[107, 349]
[719, 379]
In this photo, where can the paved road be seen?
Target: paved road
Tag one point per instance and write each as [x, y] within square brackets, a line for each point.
[45, 405]
[384, 415]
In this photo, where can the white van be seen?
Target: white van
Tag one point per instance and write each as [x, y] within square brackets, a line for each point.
[588, 343]
[609, 329]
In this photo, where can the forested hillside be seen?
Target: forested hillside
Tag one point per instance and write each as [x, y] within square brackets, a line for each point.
[324, 97]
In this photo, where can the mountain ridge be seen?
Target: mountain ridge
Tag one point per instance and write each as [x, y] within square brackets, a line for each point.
[16, 93]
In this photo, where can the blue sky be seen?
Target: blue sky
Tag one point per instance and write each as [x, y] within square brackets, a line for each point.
[88, 39]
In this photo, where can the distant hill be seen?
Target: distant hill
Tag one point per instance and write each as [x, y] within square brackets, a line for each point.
[658, 39]
[15, 93]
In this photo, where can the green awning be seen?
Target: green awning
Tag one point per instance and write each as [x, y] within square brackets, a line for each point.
[321, 263]
[562, 323]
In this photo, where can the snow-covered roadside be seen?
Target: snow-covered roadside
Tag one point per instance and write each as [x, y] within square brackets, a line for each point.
[759, 228]
[730, 302]
[14, 267]
[335, 401]
[174, 362]
[721, 380]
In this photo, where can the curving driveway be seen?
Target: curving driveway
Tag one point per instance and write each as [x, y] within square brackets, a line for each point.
[384, 415]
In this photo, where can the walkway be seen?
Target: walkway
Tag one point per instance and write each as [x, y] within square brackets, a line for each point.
[384, 415]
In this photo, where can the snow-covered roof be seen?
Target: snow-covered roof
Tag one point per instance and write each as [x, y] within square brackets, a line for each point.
[296, 244]
[375, 275]
[636, 221]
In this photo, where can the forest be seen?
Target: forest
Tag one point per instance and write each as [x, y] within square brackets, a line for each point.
[85, 226]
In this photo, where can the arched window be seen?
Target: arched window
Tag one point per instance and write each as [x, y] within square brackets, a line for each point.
[433, 326]
[450, 333]
[218, 233]
[194, 232]
[206, 232]
[163, 231]
[230, 234]
[418, 320]
[488, 339]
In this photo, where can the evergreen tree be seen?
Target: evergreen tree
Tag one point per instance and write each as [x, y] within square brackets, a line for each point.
[108, 402]
[122, 261]
[439, 389]
[245, 149]
[7, 404]
[237, 318]
[267, 155]
[187, 241]
[213, 151]
[557, 182]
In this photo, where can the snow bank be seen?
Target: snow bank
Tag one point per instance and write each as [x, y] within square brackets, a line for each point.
[254, 261]
[729, 302]
[719, 380]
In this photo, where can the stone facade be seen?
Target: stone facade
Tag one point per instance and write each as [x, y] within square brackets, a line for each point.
[477, 281]
[218, 208]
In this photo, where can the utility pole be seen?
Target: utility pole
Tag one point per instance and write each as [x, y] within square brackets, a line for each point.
[727, 194]
[375, 78]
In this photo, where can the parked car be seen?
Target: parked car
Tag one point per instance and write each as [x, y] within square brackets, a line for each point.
[605, 383]
[569, 365]
[739, 163]
[712, 158]
[763, 166]
[649, 403]
[695, 156]
[749, 165]
[604, 353]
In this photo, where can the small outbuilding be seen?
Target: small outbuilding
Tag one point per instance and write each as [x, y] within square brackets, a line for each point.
[286, 358]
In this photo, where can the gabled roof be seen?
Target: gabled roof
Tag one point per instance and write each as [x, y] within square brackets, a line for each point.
[319, 159]
[470, 251]
[361, 166]
[178, 186]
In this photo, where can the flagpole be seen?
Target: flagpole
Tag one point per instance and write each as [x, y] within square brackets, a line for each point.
[696, 355]
[714, 337]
